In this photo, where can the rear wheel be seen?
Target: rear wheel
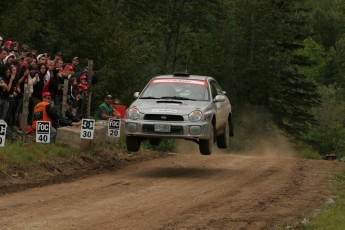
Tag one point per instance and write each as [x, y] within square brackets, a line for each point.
[205, 146]
[133, 143]
[224, 139]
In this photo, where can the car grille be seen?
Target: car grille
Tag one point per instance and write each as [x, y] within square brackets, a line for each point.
[160, 117]
[175, 129]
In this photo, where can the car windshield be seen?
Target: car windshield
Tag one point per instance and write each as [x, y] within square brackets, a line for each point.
[188, 90]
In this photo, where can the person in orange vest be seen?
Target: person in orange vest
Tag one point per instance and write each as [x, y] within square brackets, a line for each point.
[44, 112]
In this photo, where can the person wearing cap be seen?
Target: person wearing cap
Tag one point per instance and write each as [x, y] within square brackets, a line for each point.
[8, 44]
[42, 59]
[44, 112]
[9, 58]
[105, 110]
[83, 80]
[75, 65]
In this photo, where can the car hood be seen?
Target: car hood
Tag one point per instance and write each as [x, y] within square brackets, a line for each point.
[165, 106]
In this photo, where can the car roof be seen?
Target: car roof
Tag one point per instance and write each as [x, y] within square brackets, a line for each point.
[185, 76]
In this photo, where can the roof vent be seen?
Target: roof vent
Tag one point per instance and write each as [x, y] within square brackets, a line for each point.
[181, 74]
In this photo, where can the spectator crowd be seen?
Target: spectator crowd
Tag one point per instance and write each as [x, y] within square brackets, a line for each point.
[44, 75]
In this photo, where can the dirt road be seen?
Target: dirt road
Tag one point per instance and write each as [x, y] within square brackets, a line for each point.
[182, 191]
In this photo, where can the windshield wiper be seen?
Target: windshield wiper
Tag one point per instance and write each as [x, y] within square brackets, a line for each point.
[148, 98]
[178, 98]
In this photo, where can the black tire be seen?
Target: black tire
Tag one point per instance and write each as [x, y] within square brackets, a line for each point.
[155, 141]
[224, 139]
[133, 143]
[205, 146]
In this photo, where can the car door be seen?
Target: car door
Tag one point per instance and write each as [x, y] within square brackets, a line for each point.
[222, 107]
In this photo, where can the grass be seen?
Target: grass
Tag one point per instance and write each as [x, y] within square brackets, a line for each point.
[23, 155]
[332, 216]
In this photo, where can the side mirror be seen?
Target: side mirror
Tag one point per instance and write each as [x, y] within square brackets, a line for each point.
[219, 98]
[136, 94]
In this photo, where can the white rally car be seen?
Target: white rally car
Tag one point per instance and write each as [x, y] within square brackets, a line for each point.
[180, 106]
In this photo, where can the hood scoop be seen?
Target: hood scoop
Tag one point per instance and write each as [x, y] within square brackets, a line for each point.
[171, 102]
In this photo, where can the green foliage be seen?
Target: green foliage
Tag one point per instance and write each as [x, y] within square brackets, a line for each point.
[331, 217]
[328, 135]
[166, 145]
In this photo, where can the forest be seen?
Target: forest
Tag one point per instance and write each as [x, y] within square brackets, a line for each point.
[281, 62]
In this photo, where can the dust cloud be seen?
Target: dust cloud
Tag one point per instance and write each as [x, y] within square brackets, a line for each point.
[275, 145]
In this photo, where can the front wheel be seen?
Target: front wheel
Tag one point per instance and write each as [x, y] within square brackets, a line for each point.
[224, 139]
[133, 143]
[205, 146]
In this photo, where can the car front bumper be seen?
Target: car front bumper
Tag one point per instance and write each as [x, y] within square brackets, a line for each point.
[178, 130]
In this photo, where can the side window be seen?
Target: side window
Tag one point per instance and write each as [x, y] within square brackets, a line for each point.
[215, 88]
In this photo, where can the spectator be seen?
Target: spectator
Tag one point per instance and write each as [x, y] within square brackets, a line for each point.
[105, 110]
[72, 94]
[10, 119]
[1, 41]
[76, 67]
[116, 111]
[5, 87]
[9, 59]
[42, 59]
[44, 112]
[82, 101]
[83, 80]
[57, 56]
[69, 119]
[24, 71]
[8, 44]
[15, 49]
[3, 55]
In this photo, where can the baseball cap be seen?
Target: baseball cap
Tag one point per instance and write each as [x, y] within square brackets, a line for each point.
[82, 77]
[8, 43]
[69, 67]
[108, 96]
[45, 94]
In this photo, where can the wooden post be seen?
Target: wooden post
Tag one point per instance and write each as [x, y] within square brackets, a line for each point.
[64, 97]
[24, 120]
[89, 89]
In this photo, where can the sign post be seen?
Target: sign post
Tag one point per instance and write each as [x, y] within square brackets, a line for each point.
[87, 129]
[3, 127]
[114, 126]
[43, 132]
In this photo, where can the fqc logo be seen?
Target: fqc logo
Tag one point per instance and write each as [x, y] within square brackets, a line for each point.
[43, 132]
[114, 127]
[3, 127]
[87, 129]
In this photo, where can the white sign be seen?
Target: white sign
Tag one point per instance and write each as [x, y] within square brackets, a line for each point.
[114, 126]
[87, 129]
[3, 127]
[42, 131]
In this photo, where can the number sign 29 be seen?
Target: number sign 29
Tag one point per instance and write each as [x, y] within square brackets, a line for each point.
[114, 127]
[87, 129]
[43, 132]
[3, 127]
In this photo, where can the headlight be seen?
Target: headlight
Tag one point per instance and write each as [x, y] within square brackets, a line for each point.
[133, 113]
[195, 115]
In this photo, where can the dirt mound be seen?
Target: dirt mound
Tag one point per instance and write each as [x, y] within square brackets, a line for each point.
[71, 169]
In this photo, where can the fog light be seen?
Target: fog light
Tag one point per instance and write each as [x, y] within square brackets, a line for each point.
[131, 127]
[194, 129]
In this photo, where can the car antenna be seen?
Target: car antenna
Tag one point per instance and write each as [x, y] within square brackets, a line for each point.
[187, 64]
